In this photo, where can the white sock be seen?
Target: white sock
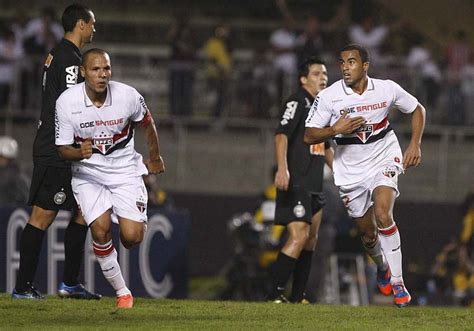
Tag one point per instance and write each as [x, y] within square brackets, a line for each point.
[375, 252]
[392, 249]
[107, 257]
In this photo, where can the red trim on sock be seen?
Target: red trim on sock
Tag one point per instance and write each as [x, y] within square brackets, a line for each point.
[102, 250]
[388, 231]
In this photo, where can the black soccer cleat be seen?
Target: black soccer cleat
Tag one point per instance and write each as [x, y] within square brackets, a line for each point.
[29, 293]
[280, 299]
[76, 292]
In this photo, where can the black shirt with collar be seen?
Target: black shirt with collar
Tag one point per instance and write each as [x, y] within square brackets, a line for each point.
[305, 168]
[60, 71]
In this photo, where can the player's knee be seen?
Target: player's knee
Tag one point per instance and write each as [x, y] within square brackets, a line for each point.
[299, 239]
[383, 216]
[130, 242]
[132, 238]
[369, 237]
[42, 218]
[101, 236]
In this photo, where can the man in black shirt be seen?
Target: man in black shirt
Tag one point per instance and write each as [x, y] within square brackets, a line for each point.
[299, 181]
[51, 183]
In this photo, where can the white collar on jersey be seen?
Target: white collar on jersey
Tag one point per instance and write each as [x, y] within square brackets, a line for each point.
[348, 90]
[88, 102]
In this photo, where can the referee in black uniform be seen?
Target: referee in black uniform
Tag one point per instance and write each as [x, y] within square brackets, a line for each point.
[51, 183]
[299, 180]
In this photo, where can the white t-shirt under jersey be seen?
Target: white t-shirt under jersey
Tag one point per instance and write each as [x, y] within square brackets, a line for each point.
[353, 162]
[110, 127]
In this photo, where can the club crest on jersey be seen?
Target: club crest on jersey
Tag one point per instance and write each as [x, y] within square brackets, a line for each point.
[364, 132]
[103, 144]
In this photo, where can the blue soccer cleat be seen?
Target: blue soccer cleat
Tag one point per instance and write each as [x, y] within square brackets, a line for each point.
[401, 296]
[76, 292]
[29, 293]
[383, 282]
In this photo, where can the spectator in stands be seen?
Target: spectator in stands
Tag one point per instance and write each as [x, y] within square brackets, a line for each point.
[369, 35]
[42, 33]
[219, 65]
[254, 88]
[10, 56]
[13, 182]
[18, 26]
[458, 53]
[283, 43]
[467, 88]
[310, 41]
[421, 62]
[182, 66]
[452, 278]
[467, 234]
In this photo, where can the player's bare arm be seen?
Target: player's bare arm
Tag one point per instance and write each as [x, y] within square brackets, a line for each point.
[412, 156]
[155, 164]
[282, 176]
[71, 153]
[344, 125]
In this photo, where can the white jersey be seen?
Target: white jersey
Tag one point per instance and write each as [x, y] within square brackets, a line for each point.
[374, 143]
[111, 128]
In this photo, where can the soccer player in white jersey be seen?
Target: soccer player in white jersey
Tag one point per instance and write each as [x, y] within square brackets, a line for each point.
[95, 122]
[368, 159]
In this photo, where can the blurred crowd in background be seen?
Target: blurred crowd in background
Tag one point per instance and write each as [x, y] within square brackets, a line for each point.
[224, 71]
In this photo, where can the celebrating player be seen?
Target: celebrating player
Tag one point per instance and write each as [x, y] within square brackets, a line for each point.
[368, 159]
[51, 183]
[95, 123]
[299, 180]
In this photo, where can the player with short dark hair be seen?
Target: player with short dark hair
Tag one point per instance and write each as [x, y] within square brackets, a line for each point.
[354, 112]
[95, 123]
[299, 180]
[50, 188]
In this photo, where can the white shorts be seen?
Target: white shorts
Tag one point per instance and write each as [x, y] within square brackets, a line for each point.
[358, 198]
[127, 199]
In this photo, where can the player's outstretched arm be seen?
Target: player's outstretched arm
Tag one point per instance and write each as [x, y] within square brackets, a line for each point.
[155, 164]
[71, 153]
[344, 125]
[412, 156]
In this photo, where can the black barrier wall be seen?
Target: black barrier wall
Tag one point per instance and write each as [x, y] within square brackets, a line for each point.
[424, 228]
[157, 268]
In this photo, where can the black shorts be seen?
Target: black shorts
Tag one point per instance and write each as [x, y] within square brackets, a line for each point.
[51, 188]
[297, 204]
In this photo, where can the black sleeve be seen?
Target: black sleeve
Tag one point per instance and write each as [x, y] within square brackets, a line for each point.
[66, 71]
[291, 115]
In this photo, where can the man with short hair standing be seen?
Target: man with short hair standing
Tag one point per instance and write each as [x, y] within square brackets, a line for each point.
[50, 188]
[299, 183]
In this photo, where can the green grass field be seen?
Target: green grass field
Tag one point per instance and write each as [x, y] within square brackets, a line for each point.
[55, 313]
